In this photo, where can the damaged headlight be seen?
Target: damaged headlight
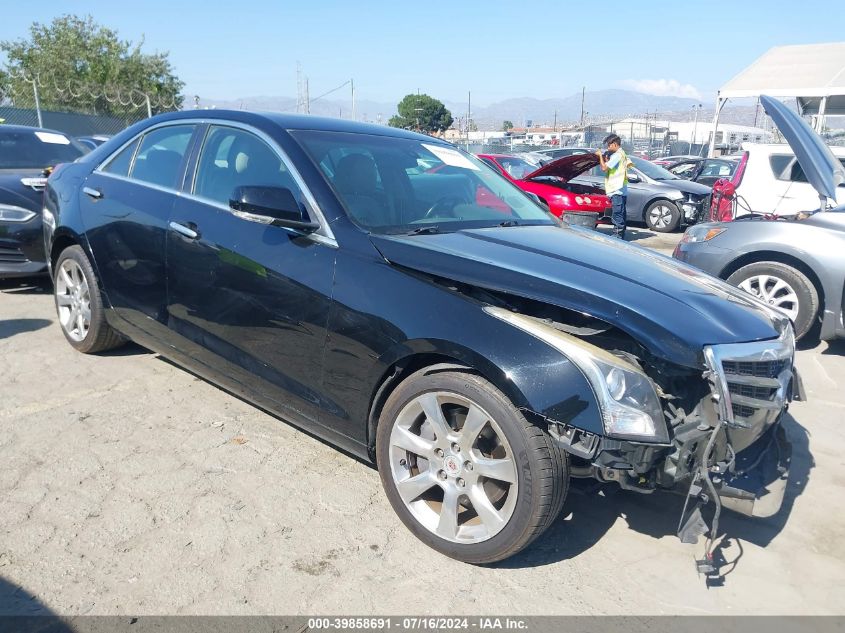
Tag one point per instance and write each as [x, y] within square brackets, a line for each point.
[629, 403]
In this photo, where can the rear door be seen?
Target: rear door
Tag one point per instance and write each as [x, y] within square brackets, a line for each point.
[249, 301]
[126, 203]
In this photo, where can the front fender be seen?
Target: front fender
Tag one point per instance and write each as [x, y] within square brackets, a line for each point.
[532, 374]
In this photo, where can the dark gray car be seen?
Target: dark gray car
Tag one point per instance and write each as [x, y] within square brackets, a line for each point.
[795, 264]
[659, 198]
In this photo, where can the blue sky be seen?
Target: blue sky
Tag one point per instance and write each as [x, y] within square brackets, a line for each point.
[495, 49]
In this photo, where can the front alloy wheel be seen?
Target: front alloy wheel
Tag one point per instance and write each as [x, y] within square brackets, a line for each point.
[464, 469]
[662, 216]
[456, 476]
[782, 287]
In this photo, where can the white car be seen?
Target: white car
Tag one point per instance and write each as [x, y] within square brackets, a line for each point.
[770, 180]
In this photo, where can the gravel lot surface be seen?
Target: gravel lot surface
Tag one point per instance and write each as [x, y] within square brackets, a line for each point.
[128, 486]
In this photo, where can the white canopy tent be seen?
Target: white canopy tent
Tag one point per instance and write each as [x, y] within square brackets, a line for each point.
[814, 74]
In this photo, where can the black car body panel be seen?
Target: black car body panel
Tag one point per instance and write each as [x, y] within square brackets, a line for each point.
[317, 325]
[21, 243]
[22, 182]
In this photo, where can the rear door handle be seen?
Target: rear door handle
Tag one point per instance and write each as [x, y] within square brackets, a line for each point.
[181, 229]
[94, 193]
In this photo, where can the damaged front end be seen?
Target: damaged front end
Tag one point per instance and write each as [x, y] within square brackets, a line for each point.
[716, 436]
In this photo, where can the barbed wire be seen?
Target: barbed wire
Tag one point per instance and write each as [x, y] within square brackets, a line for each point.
[110, 93]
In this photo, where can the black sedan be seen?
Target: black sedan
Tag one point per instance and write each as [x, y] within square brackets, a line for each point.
[25, 152]
[438, 322]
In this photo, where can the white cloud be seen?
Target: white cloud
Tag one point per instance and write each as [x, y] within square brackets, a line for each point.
[663, 87]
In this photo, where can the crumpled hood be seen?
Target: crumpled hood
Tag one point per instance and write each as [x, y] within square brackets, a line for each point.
[671, 308]
[567, 167]
[822, 168]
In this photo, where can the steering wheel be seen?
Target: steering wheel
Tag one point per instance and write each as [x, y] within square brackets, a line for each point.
[446, 201]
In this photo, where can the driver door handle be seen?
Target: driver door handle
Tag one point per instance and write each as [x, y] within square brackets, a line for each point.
[181, 229]
[94, 193]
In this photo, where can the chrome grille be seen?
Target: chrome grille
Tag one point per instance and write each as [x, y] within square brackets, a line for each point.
[762, 369]
[752, 381]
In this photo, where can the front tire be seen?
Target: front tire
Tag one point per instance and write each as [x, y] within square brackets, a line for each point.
[784, 287]
[662, 216]
[463, 468]
[79, 304]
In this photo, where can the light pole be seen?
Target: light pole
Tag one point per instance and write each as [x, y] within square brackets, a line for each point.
[695, 108]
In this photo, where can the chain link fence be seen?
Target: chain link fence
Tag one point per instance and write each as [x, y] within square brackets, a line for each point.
[76, 110]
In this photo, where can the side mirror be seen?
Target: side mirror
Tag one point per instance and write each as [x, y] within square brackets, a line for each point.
[270, 205]
[535, 198]
[633, 177]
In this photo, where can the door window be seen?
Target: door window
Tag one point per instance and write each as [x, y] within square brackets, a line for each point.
[232, 158]
[160, 155]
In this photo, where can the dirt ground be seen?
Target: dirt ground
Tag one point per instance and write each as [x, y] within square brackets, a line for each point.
[128, 486]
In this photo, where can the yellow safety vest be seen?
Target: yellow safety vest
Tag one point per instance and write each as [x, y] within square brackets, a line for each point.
[617, 177]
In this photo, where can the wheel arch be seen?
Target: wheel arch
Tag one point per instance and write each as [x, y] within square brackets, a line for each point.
[536, 389]
[781, 258]
[61, 241]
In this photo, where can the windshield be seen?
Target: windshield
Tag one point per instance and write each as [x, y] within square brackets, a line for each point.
[651, 170]
[398, 185]
[35, 149]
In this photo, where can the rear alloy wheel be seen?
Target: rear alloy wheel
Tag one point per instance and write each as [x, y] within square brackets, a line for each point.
[782, 287]
[464, 469]
[662, 216]
[79, 305]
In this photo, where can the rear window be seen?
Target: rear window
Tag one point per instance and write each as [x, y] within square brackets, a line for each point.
[33, 149]
[786, 167]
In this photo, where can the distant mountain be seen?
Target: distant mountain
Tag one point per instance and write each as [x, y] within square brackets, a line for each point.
[599, 103]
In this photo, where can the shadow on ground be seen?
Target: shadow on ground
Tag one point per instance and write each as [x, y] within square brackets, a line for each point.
[592, 508]
[22, 612]
[10, 327]
[26, 285]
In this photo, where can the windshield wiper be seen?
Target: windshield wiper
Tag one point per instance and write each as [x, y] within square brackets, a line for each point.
[425, 230]
[508, 223]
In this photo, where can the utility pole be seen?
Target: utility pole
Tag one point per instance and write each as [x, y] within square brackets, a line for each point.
[695, 124]
[554, 129]
[352, 84]
[469, 112]
[583, 93]
[37, 101]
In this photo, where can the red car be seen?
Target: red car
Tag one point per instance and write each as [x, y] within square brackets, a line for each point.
[575, 203]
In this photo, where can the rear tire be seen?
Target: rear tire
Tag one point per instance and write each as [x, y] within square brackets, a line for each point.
[662, 216]
[465, 471]
[784, 287]
[79, 304]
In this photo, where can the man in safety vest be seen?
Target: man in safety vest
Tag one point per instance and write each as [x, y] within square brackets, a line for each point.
[615, 169]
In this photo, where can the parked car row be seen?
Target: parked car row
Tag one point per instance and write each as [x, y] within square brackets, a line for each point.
[788, 246]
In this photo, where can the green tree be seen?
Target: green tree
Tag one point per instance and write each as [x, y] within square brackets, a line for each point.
[507, 125]
[423, 113]
[83, 66]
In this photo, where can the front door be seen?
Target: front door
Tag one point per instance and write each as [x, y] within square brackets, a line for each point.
[249, 301]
